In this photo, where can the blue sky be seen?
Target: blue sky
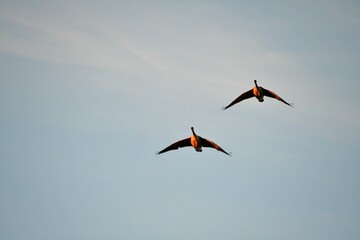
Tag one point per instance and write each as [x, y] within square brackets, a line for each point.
[91, 90]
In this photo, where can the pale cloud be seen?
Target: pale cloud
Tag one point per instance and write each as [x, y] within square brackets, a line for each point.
[46, 40]
[105, 45]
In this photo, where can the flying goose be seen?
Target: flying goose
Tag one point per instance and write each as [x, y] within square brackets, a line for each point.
[195, 141]
[259, 93]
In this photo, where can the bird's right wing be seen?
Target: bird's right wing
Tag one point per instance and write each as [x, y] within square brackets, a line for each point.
[179, 144]
[211, 144]
[274, 95]
[243, 96]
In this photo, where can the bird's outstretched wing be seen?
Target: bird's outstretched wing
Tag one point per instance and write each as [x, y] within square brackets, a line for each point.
[179, 144]
[271, 94]
[208, 143]
[243, 96]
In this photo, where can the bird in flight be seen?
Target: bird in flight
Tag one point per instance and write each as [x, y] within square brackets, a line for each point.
[195, 141]
[259, 93]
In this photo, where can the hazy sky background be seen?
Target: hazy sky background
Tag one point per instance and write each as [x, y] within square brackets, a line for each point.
[91, 90]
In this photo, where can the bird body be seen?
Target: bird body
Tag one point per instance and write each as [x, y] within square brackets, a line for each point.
[259, 93]
[196, 142]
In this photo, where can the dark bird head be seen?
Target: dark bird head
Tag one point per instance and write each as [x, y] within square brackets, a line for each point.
[192, 129]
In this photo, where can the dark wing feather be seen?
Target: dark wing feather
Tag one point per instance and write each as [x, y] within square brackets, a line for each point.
[208, 143]
[179, 144]
[271, 94]
[243, 96]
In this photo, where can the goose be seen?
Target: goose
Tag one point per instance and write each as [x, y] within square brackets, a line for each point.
[259, 93]
[195, 141]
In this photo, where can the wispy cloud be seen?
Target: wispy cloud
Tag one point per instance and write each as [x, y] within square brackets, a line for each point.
[105, 45]
[45, 40]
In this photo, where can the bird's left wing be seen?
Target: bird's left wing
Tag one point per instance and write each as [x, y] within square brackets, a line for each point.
[271, 94]
[179, 144]
[240, 98]
[208, 143]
